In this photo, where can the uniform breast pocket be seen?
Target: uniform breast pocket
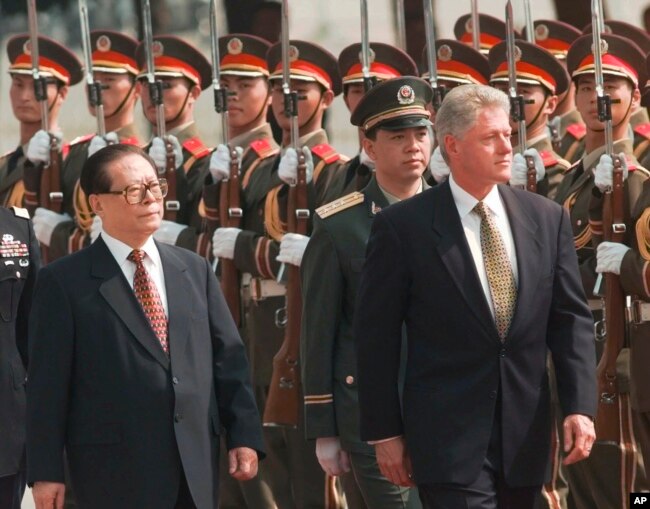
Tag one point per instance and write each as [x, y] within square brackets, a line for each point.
[10, 285]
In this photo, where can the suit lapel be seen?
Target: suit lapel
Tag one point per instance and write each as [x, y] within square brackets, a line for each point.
[528, 251]
[119, 296]
[454, 252]
[178, 301]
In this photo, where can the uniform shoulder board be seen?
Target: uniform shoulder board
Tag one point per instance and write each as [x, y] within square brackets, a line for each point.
[65, 150]
[347, 201]
[82, 139]
[196, 147]
[632, 164]
[131, 140]
[643, 130]
[548, 158]
[577, 130]
[572, 166]
[263, 148]
[326, 153]
[20, 212]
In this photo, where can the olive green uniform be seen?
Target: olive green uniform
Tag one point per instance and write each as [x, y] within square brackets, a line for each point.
[554, 165]
[12, 189]
[352, 176]
[331, 269]
[572, 136]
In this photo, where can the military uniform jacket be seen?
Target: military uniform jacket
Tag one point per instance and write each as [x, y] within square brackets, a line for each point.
[330, 270]
[575, 193]
[18, 266]
[12, 189]
[351, 176]
[70, 236]
[573, 131]
[555, 167]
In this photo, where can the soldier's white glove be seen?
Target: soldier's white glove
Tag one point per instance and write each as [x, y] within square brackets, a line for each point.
[333, 459]
[95, 229]
[38, 149]
[288, 169]
[99, 142]
[45, 221]
[438, 167]
[158, 152]
[220, 162]
[292, 247]
[603, 174]
[223, 242]
[364, 159]
[609, 257]
[519, 172]
[168, 232]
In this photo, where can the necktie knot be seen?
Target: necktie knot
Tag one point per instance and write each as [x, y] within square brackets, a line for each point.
[481, 209]
[136, 256]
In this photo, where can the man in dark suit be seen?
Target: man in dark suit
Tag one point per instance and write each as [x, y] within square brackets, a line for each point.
[485, 279]
[137, 366]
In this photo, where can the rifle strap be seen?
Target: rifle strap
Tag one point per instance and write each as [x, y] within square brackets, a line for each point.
[273, 223]
[643, 234]
[628, 449]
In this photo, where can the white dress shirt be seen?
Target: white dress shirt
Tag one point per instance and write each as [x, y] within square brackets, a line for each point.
[152, 263]
[465, 203]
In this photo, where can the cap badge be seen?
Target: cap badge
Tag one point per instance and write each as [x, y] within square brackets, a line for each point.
[604, 47]
[607, 29]
[27, 47]
[541, 32]
[103, 43]
[517, 53]
[235, 46]
[445, 53]
[293, 53]
[371, 56]
[157, 49]
[405, 95]
[469, 26]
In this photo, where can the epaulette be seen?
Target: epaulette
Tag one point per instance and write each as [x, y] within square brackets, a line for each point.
[643, 130]
[631, 163]
[340, 204]
[263, 148]
[131, 140]
[577, 130]
[82, 139]
[326, 153]
[550, 158]
[65, 150]
[20, 212]
[572, 166]
[196, 147]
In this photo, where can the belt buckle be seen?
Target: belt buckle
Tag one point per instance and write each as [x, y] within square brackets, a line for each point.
[640, 312]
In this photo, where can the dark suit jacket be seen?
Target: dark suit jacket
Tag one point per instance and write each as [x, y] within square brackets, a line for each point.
[419, 270]
[100, 385]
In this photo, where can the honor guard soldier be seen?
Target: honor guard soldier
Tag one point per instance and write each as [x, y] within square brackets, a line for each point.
[457, 64]
[493, 31]
[394, 118]
[291, 469]
[185, 72]
[540, 80]
[565, 123]
[639, 120]
[386, 62]
[61, 69]
[642, 151]
[623, 69]
[20, 263]
[114, 66]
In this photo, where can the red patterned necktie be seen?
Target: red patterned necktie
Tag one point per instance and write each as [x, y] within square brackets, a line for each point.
[147, 294]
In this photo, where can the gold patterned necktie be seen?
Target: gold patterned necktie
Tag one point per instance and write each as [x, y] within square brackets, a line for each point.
[498, 269]
[147, 294]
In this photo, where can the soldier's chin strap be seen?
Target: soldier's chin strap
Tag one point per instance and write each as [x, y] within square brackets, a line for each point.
[539, 111]
[121, 105]
[623, 119]
[180, 112]
[311, 117]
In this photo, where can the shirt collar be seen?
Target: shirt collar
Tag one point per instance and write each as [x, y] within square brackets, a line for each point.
[465, 202]
[121, 251]
[391, 198]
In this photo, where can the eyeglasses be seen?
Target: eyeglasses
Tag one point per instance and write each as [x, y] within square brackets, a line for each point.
[136, 193]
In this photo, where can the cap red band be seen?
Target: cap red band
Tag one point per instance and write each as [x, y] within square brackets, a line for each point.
[114, 59]
[613, 63]
[453, 66]
[375, 68]
[165, 63]
[309, 69]
[526, 69]
[485, 39]
[554, 45]
[244, 59]
[24, 61]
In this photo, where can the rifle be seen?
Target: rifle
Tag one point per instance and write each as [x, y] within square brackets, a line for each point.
[156, 87]
[230, 212]
[284, 397]
[476, 26]
[401, 24]
[612, 325]
[94, 87]
[432, 60]
[368, 80]
[517, 101]
[49, 184]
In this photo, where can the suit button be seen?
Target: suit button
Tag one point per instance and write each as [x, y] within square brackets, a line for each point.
[174, 380]
[493, 394]
[178, 418]
[349, 379]
[502, 353]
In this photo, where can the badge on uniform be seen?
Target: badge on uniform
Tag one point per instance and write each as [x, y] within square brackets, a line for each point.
[10, 248]
[374, 208]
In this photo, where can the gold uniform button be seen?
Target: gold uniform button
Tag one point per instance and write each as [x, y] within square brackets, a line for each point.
[349, 379]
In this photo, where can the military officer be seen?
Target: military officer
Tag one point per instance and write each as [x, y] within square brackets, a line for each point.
[386, 62]
[61, 69]
[399, 146]
[293, 470]
[623, 69]
[492, 31]
[114, 66]
[642, 151]
[540, 80]
[20, 262]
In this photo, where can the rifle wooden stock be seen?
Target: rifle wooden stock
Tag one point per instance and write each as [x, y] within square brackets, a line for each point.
[171, 200]
[230, 215]
[332, 499]
[283, 402]
[531, 175]
[608, 420]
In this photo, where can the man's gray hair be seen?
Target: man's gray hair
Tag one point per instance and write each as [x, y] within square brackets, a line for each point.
[460, 109]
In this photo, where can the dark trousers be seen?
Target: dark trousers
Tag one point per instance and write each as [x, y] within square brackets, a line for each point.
[184, 499]
[12, 488]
